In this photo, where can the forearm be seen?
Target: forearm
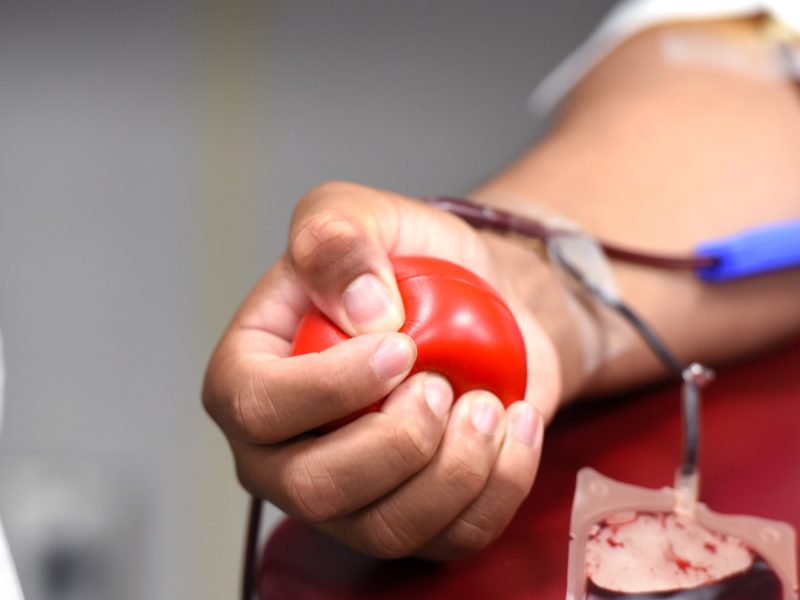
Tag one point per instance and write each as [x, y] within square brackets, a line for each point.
[660, 157]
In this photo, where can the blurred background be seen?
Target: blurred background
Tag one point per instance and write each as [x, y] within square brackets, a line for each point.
[150, 156]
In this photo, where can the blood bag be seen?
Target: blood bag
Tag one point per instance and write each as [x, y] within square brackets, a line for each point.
[638, 543]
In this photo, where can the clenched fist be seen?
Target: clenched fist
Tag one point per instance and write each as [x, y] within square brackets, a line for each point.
[428, 474]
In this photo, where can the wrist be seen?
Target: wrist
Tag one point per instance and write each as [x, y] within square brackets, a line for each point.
[532, 290]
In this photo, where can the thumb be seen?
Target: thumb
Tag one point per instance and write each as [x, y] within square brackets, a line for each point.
[337, 250]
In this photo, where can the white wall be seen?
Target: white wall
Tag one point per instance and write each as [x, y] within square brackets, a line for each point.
[150, 154]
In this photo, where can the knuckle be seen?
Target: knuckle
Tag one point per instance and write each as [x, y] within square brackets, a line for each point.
[414, 448]
[386, 538]
[313, 493]
[322, 240]
[213, 391]
[333, 383]
[256, 410]
[465, 475]
[246, 479]
[209, 397]
[331, 188]
[516, 488]
[471, 535]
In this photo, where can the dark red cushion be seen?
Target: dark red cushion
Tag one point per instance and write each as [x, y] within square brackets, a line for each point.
[750, 464]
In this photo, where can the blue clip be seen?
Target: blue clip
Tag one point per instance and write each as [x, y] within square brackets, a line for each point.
[752, 252]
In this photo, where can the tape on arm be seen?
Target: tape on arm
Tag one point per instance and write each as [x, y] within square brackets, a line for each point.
[601, 332]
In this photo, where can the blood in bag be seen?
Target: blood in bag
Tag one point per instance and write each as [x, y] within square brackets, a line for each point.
[635, 543]
[644, 555]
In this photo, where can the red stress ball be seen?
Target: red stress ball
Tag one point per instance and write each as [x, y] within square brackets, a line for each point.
[462, 328]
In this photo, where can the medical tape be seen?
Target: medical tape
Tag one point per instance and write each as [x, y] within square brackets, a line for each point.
[602, 333]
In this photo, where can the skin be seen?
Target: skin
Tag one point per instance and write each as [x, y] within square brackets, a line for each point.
[637, 157]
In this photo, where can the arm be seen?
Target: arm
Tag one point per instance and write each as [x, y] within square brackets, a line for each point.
[635, 157]
[662, 156]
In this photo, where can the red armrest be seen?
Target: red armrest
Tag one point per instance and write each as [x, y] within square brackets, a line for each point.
[750, 463]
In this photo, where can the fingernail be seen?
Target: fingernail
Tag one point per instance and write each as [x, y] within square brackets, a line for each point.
[438, 395]
[485, 415]
[525, 423]
[370, 307]
[394, 355]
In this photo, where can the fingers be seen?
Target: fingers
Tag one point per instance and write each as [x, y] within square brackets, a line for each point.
[404, 520]
[260, 399]
[340, 239]
[508, 485]
[417, 476]
[336, 246]
[323, 478]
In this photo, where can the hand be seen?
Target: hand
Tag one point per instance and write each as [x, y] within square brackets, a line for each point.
[428, 474]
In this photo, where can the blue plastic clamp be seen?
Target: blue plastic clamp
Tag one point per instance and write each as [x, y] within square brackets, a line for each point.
[752, 252]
